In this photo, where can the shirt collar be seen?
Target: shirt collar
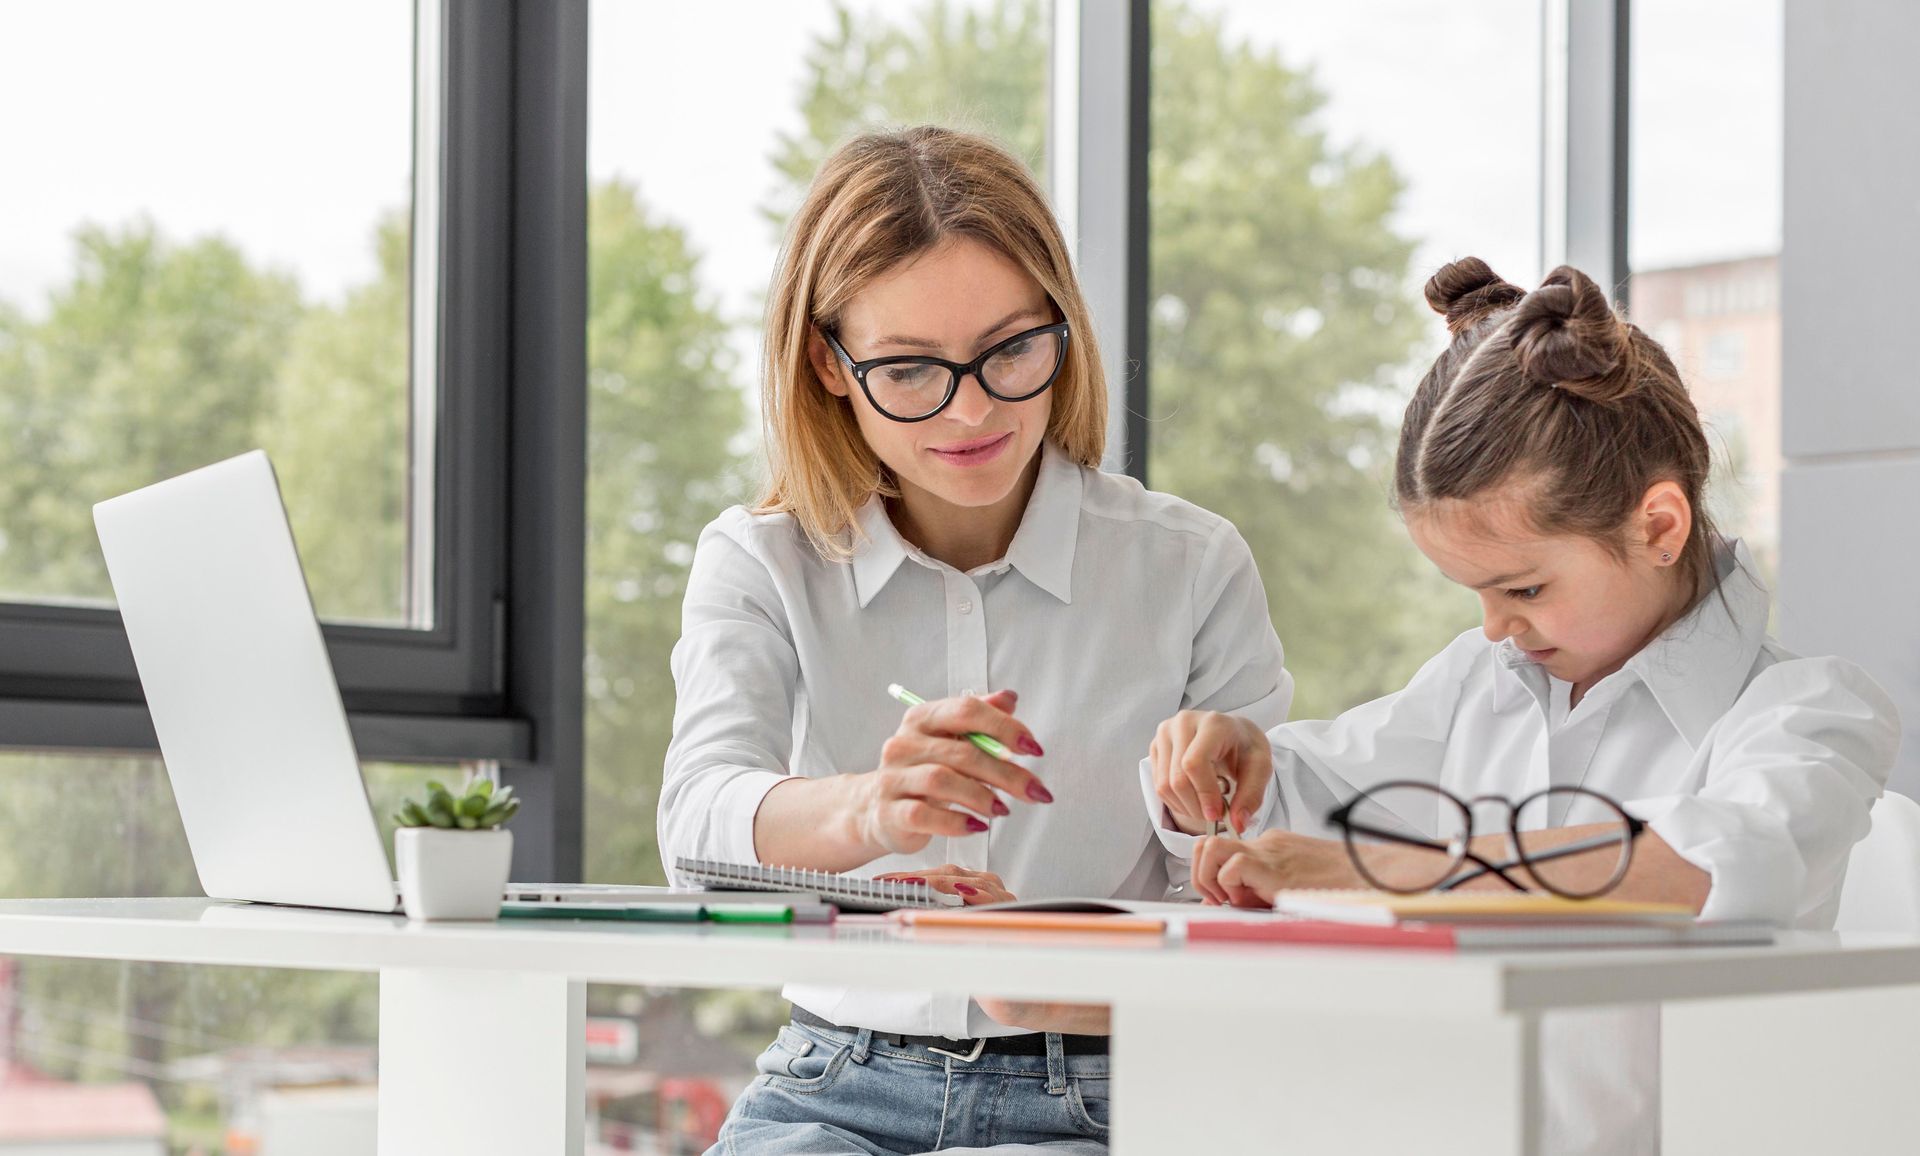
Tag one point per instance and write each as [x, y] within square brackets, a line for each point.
[1042, 548]
[1696, 668]
[878, 550]
[1699, 665]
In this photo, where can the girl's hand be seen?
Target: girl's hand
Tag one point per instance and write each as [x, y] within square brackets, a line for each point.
[1247, 873]
[930, 776]
[1192, 751]
[974, 887]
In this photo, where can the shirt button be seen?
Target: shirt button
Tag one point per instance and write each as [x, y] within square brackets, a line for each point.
[966, 606]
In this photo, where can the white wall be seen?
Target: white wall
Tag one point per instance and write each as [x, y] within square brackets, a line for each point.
[1850, 346]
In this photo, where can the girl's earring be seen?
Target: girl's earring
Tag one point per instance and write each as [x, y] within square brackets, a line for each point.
[1666, 556]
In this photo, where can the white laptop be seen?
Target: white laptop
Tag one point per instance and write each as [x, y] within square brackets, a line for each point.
[244, 700]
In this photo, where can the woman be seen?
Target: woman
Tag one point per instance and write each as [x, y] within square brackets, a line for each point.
[934, 516]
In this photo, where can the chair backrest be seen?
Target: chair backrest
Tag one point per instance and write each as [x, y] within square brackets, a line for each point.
[1882, 889]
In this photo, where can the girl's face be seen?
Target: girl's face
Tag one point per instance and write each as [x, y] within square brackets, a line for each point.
[953, 301]
[1577, 608]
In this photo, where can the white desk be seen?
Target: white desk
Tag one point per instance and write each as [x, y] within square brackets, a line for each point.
[1409, 1050]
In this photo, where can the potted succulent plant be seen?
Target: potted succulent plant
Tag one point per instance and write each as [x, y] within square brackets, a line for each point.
[453, 850]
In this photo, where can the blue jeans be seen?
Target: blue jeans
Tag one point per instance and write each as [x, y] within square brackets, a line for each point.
[827, 1093]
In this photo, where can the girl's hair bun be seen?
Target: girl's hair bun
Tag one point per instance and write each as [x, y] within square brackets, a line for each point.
[1467, 291]
[1565, 335]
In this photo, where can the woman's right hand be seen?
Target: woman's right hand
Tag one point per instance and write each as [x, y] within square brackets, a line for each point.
[930, 777]
[1193, 751]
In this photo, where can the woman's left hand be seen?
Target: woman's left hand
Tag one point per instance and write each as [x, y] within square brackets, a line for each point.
[974, 887]
[1073, 1019]
[1247, 872]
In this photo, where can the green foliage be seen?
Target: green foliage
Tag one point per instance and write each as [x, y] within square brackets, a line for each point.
[478, 807]
[976, 67]
[156, 358]
[1284, 332]
[666, 414]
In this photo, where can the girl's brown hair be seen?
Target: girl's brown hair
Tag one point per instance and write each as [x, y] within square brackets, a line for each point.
[883, 198]
[1553, 391]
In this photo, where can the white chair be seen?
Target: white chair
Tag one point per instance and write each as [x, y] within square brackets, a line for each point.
[1882, 888]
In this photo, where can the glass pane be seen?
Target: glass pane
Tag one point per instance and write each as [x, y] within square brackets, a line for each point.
[1704, 234]
[210, 254]
[680, 257]
[1311, 166]
[120, 1055]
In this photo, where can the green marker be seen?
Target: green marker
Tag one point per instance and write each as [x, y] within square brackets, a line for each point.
[987, 743]
[751, 913]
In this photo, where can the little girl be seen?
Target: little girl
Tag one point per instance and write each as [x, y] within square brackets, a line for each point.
[1552, 463]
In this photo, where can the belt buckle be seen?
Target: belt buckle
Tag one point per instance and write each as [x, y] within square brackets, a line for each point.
[979, 1046]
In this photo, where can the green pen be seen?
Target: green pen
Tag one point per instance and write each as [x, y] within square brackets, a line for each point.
[987, 743]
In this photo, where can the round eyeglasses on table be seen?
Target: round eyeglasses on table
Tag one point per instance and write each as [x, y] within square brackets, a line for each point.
[917, 388]
[1409, 836]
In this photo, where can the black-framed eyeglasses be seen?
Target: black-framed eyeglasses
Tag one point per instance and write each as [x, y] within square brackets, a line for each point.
[916, 388]
[1409, 836]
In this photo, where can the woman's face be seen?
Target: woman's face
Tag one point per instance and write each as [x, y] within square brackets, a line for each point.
[953, 302]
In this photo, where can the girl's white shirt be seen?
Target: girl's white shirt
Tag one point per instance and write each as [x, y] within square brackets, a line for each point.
[1114, 608]
[1755, 765]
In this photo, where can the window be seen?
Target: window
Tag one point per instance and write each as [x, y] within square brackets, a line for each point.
[212, 254]
[227, 247]
[1704, 234]
[1311, 166]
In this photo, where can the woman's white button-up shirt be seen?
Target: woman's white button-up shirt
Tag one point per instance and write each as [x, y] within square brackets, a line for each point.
[1114, 608]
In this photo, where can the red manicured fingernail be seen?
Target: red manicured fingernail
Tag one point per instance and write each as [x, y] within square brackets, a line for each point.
[974, 824]
[1038, 793]
[1000, 808]
[1240, 820]
[963, 889]
[1027, 746]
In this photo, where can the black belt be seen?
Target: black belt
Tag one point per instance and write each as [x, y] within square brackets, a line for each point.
[1026, 1044]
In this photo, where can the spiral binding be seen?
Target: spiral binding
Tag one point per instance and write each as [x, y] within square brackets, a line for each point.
[850, 890]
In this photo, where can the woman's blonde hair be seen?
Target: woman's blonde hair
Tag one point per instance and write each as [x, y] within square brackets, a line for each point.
[883, 198]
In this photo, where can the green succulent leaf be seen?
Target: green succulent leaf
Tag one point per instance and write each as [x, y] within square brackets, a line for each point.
[468, 822]
[473, 806]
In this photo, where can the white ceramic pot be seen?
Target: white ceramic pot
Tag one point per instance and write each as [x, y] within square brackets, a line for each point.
[452, 874]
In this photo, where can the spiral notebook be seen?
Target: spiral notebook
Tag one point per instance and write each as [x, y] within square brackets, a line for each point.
[848, 892]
